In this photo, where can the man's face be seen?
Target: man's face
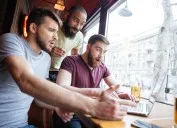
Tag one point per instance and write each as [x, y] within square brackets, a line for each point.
[46, 34]
[96, 53]
[74, 23]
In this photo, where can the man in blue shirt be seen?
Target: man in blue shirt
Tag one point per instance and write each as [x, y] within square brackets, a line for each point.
[24, 64]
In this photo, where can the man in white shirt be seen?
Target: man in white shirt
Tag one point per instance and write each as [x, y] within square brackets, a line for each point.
[70, 39]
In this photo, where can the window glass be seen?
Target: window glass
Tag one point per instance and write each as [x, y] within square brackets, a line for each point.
[135, 44]
[173, 4]
[90, 32]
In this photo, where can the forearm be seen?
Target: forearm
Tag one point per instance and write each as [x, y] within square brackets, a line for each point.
[55, 95]
[110, 81]
[44, 90]
[91, 92]
[44, 105]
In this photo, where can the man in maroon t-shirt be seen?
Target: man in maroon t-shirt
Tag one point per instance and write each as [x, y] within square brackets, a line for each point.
[87, 70]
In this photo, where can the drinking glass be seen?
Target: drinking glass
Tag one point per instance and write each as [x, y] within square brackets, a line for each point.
[136, 91]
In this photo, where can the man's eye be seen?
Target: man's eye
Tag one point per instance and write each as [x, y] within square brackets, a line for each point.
[75, 19]
[99, 50]
[52, 30]
[82, 24]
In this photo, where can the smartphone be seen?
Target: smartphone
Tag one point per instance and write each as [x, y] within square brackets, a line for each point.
[141, 124]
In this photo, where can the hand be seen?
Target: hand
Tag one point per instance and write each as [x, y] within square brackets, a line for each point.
[127, 96]
[64, 115]
[57, 52]
[109, 108]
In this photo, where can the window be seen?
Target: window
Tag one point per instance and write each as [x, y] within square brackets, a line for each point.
[139, 52]
[90, 32]
[174, 9]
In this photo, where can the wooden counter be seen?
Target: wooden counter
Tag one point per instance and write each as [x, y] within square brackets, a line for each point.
[161, 115]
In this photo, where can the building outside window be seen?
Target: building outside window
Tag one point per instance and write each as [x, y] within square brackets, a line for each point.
[143, 46]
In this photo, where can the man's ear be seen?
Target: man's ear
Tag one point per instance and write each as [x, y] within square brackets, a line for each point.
[33, 28]
[88, 47]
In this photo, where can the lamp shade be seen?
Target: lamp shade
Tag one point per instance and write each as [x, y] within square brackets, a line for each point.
[60, 5]
[125, 11]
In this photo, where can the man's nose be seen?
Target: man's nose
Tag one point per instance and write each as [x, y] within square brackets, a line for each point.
[78, 26]
[102, 54]
[56, 36]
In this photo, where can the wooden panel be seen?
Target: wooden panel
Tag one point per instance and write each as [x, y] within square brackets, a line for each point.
[40, 117]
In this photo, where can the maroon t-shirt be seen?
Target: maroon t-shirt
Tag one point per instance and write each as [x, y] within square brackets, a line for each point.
[82, 75]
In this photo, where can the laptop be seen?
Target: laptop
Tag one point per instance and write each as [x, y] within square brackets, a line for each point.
[143, 107]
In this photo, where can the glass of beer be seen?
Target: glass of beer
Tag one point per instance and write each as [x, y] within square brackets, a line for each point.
[175, 111]
[136, 91]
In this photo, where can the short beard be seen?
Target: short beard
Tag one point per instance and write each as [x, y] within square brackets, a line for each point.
[41, 43]
[67, 31]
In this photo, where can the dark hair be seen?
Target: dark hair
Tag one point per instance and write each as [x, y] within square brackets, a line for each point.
[37, 16]
[77, 8]
[98, 37]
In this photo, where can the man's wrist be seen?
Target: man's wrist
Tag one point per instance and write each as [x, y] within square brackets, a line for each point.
[118, 92]
[91, 110]
[96, 92]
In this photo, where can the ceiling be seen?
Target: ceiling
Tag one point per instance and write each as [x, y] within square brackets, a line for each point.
[90, 5]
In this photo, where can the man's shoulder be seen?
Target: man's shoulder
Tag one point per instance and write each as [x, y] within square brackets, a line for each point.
[11, 38]
[79, 35]
[70, 61]
[73, 57]
[9, 35]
